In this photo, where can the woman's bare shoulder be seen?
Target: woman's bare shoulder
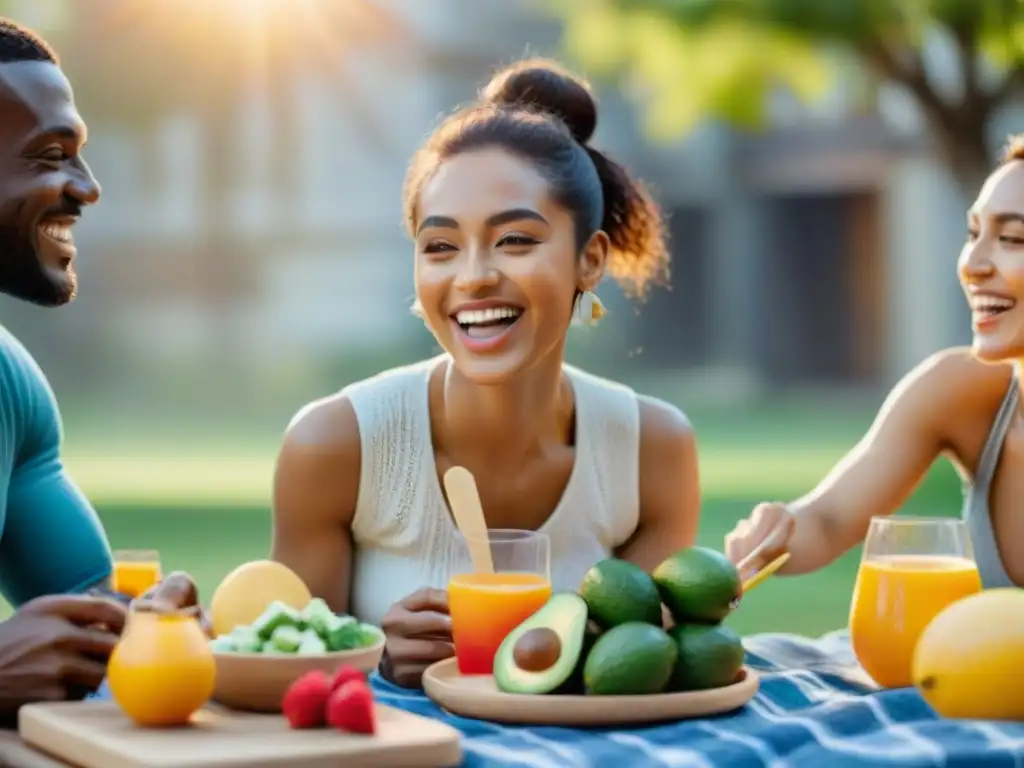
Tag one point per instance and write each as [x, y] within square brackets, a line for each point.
[959, 378]
[329, 428]
[328, 425]
[951, 395]
[662, 424]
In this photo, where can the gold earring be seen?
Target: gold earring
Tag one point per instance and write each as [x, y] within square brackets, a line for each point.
[589, 309]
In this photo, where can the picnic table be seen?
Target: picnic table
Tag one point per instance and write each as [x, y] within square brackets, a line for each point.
[815, 708]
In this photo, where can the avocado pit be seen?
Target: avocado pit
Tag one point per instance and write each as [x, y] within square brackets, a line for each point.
[537, 650]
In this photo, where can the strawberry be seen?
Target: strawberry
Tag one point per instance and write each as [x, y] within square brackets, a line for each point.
[346, 673]
[351, 708]
[305, 702]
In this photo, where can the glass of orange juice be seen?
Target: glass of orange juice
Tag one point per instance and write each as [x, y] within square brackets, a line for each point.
[911, 568]
[485, 607]
[135, 571]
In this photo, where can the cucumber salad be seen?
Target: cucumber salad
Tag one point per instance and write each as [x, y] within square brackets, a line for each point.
[313, 630]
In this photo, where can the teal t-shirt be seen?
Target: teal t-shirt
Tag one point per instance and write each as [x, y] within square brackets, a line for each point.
[51, 540]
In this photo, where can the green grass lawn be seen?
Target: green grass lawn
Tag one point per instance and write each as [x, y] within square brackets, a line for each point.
[206, 508]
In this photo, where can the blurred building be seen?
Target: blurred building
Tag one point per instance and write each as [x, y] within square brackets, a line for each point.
[822, 251]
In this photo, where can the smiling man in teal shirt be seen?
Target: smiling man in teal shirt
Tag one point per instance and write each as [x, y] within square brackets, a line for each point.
[55, 561]
[51, 540]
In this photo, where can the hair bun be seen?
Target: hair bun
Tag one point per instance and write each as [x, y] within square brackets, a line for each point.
[546, 86]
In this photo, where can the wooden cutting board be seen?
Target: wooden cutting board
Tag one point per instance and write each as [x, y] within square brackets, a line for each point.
[98, 735]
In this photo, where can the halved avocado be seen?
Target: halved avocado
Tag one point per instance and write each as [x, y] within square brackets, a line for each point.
[541, 654]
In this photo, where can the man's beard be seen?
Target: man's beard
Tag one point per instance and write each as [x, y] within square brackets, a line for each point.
[22, 274]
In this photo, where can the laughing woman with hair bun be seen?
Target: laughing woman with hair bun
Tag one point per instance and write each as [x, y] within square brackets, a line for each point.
[515, 219]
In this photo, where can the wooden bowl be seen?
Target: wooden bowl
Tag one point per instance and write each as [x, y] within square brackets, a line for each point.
[256, 682]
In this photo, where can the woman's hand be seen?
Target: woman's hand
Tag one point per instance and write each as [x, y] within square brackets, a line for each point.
[419, 633]
[767, 532]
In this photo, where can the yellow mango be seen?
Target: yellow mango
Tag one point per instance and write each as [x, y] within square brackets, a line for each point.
[969, 661]
[247, 591]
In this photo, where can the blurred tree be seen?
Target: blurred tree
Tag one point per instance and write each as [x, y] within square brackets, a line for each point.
[724, 59]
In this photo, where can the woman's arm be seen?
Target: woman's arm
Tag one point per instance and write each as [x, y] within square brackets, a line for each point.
[316, 485]
[669, 486]
[917, 423]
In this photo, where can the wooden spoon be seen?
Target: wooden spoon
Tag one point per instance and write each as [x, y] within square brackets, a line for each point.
[464, 500]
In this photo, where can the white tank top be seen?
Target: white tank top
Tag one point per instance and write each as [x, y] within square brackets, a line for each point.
[402, 531]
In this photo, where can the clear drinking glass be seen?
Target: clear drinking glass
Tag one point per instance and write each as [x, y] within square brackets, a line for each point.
[135, 571]
[485, 607]
[911, 568]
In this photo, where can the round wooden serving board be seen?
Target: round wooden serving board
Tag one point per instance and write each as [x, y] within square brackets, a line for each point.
[477, 696]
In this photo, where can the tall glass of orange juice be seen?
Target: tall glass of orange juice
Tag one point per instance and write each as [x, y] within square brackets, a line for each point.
[135, 571]
[486, 607]
[911, 568]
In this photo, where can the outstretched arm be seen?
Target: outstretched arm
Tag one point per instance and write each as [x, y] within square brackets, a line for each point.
[912, 429]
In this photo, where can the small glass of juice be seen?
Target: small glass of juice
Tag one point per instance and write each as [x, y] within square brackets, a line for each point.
[135, 571]
[911, 569]
[486, 607]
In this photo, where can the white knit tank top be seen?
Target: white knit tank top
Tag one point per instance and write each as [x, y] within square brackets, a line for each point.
[402, 531]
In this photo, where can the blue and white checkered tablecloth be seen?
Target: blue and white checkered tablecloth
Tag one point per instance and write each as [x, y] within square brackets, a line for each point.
[812, 710]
